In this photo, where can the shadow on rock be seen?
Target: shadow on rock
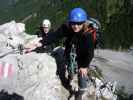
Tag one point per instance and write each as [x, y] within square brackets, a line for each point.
[4, 95]
[58, 54]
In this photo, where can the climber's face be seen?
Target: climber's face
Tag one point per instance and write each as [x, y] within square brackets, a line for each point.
[46, 29]
[76, 26]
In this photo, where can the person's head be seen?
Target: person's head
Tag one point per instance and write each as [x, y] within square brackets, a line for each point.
[77, 18]
[46, 25]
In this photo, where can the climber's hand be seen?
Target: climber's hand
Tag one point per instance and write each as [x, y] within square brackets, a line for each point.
[83, 71]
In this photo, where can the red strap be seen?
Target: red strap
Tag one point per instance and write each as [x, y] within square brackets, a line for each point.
[94, 35]
[93, 31]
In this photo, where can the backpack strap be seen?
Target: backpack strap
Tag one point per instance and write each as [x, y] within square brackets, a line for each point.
[92, 31]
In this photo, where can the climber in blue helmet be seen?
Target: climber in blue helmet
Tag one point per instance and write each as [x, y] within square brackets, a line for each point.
[77, 37]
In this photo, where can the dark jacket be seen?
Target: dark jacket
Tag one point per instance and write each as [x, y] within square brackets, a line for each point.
[43, 48]
[41, 33]
[83, 42]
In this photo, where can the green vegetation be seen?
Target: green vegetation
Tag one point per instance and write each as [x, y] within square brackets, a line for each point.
[115, 16]
[117, 24]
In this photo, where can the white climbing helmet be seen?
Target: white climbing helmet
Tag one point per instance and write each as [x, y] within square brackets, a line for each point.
[46, 23]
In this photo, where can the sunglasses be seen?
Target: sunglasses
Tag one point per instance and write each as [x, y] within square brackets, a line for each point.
[76, 23]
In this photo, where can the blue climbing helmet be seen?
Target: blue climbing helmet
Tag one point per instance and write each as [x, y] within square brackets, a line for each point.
[77, 15]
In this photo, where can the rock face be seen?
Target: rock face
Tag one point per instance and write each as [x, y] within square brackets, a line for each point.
[31, 75]
[37, 78]
[116, 66]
